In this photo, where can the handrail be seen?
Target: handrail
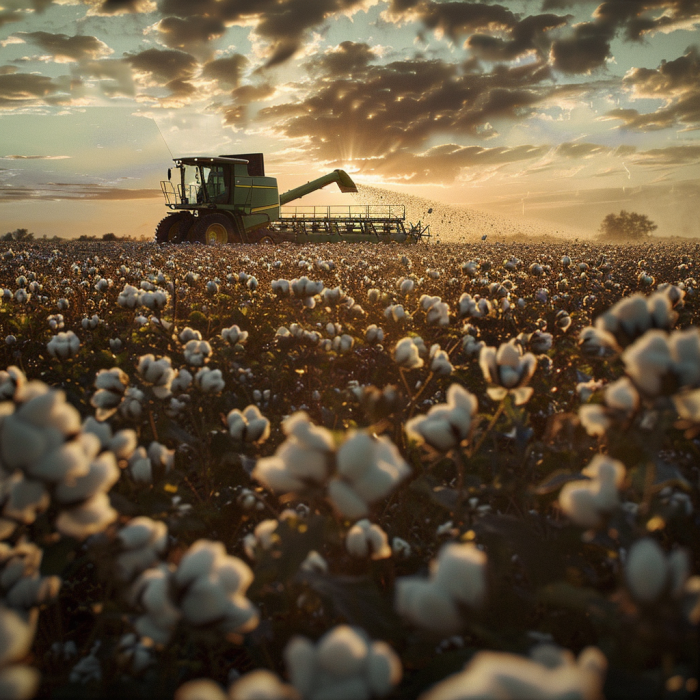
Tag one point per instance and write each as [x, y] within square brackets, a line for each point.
[339, 211]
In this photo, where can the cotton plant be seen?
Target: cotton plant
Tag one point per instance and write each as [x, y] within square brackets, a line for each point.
[588, 503]
[650, 574]
[447, 425]
[157, 373]
[409, 352]
[621, 402]
[197, 352]
[111, 385]
[360, 471]
[22, 587]
[206, 590]
[63, 345]
[209, 381]
[550, 673]
[662, 364]
[508, 371]
[634, 315]
[439, 361]
[17, 681]
[234, 336]
[141, 543]
[367, 540]
[344, 663]
[45, 457]
[248, 425]
[456, 585]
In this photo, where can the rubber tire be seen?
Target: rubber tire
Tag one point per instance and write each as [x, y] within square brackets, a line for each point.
[267, 239]
[173, 228]
[211, 229]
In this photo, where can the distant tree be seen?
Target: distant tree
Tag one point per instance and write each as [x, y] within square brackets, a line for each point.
[19, 234]
[110, 237]
[627, 225]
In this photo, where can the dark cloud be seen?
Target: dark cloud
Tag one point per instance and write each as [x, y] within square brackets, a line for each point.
[283, 24]
[403, 104]
[62, 46]
[587, 49]
[164, 65]
[65, 190]
[191, 33]
[227, 71]
[676, 82]
[9, 17]
[19, 89]
[6, 70]
[118, 7]
[346, 59]
[525, 36]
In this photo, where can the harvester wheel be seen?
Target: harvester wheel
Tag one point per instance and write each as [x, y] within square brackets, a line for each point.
[213, 228]
[173, 228]
[267, 239]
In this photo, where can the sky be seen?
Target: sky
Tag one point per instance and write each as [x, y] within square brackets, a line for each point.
[560, 110]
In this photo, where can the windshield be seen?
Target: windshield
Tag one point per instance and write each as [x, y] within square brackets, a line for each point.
[193, 179]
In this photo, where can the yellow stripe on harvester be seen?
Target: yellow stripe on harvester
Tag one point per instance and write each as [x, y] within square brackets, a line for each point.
[269, 206]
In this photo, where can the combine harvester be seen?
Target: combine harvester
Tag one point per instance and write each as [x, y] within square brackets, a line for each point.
[228, 199]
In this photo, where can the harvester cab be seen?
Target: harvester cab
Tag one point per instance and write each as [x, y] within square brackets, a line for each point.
[229, 199]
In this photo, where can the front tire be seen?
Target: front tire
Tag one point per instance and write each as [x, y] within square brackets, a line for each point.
[173, 228]
[212, 229]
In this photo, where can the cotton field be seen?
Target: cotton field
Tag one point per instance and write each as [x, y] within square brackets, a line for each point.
[349, 471]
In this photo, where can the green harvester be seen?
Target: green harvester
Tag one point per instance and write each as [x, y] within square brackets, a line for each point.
[229, 199]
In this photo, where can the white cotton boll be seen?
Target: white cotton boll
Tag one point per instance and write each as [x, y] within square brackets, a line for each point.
[63, 345]
[460, 569]
[128, 297]
[383, 668]
[314, 563]
[299, 427]
[93, 516]
[102, 475]
[374, 334]
[260, 685]
[406, 354]
[197, 352]
[622, 396]
[161, 456]
[365, 539]
[301, 663]
[199, 560]
[187, 334]
[140, 466]
[204, 602]
[273, 473]
[181, 381]
[210, 381]
[234, 335]
[158, 373]
[646, 570]
[400, 548]
[354, 456]
[426, 605]
[19, 682]
[346, 501]
[342, 652]
[200, 689]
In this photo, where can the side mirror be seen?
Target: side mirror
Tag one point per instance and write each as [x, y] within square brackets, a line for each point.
[170, 174]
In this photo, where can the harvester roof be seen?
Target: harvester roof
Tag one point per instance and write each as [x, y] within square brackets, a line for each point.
[210, 160]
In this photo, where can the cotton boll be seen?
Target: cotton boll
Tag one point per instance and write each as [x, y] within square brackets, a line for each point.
[300, 660]
[646, 570]
[345, 500]
[426, 606]
[406, 354]
[342, 652]
[261, 685]
[460, 569]
[210, 381]
[90, 517]
[365, 539]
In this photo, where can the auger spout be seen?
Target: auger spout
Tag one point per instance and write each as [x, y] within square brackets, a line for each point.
[344, 181]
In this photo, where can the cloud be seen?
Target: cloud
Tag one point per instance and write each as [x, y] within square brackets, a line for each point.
[387, 109]
[164, 65]
[34, 157]
[226, 71]
[670, 156]
[346, 59]
[282, 24]
[9, 17]
[20, 89]
[66, 48]
[119, 7]
[676, 82]
[114, 76]
[65, 190]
